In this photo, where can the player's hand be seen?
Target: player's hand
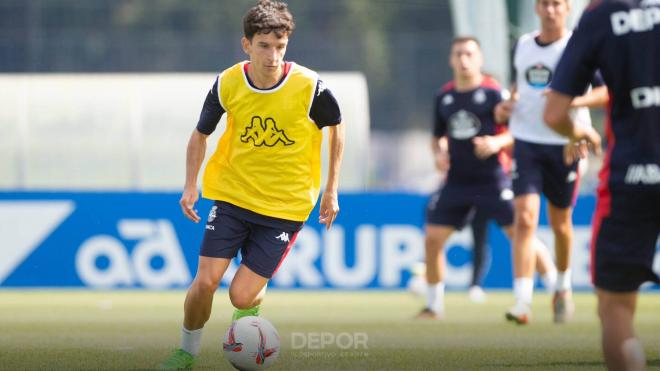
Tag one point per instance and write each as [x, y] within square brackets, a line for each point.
[503, 110]
[187, 202]
[575, 151]
[485, 146]
[585, 140]
[329, 209]
[442, 161]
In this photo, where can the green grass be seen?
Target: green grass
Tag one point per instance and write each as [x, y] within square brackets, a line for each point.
[71, 330]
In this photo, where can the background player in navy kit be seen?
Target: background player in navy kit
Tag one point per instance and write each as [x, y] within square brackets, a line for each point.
[622, 39]
[466, 135]
[538, 158]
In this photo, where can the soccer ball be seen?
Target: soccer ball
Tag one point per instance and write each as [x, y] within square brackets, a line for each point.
[251, 343]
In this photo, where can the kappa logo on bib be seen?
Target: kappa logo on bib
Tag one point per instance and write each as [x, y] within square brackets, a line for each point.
[264, 132]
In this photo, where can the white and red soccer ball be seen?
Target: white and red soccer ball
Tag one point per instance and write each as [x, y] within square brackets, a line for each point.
[251, 343]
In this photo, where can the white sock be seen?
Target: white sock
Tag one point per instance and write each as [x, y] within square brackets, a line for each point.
[435, 297]
[191, 340]
[549, 280]
[634, 356]
[564, 280]
[523, 289]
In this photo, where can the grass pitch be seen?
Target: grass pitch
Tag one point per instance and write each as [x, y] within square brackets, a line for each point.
[122, 330]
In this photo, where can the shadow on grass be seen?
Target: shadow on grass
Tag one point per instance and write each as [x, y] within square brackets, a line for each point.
[559, 364]
[567, 364]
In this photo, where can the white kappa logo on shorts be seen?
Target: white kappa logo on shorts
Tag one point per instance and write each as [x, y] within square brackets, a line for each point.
[212, 214]
[284, 237]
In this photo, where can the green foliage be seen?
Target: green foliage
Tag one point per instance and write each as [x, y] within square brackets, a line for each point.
[400, 46]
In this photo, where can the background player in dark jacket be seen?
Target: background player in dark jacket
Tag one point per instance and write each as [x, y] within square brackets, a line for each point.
[622, 39]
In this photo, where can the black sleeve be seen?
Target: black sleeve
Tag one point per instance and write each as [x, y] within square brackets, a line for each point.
[513, 71]
[211, 112]
[324, 110]
[597, 80]
[439, 123]
[577, 65]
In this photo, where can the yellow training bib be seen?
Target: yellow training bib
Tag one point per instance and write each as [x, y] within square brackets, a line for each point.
[269, 158]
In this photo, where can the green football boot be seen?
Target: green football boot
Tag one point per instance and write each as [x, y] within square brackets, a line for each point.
[178, 360]
[240, 313]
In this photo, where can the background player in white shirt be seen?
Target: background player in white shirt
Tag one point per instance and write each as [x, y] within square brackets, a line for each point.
[539, 165]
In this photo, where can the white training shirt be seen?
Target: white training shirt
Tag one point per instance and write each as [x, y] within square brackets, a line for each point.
[535, 66]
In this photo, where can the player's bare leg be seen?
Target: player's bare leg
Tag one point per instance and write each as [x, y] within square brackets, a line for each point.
[526, 216]
[197, 310]
[199, 299]
[246, 292]
[562, 227]
[621, 348]
[434, 242]
[545, 266]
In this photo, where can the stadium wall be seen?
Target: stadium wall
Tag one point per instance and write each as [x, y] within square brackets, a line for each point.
[128, 132]
[141, 240]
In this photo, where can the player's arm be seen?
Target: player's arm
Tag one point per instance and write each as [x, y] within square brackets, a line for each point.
[194, 158]
[488, 145]
[208, 120]
[574, 72]
[329, 201]
[598, 96]
[439, 140]
[504, 109]
[325, 112]
[557, 117]
[440, 148]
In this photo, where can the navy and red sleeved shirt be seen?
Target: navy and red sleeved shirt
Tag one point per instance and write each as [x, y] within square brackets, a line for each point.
[461, 116]
[621, 38]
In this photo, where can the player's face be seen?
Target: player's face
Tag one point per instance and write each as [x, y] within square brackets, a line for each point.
[552, 13]
[266, 52]
[465, 59]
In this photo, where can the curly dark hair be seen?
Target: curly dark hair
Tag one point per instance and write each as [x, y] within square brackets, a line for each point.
[266, 17]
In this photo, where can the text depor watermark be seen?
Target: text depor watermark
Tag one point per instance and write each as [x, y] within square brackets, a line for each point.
[326, 340]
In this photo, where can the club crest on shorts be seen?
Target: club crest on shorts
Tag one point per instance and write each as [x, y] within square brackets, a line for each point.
[212, 214]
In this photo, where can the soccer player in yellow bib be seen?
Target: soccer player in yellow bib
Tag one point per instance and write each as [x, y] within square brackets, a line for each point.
[265, 174]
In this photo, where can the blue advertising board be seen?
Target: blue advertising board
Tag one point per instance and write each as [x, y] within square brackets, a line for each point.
[142, 240]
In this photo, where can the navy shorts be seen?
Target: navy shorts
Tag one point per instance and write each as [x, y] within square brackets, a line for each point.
[456, 204]
[263, 241]
[625, 236]
[540, 169]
